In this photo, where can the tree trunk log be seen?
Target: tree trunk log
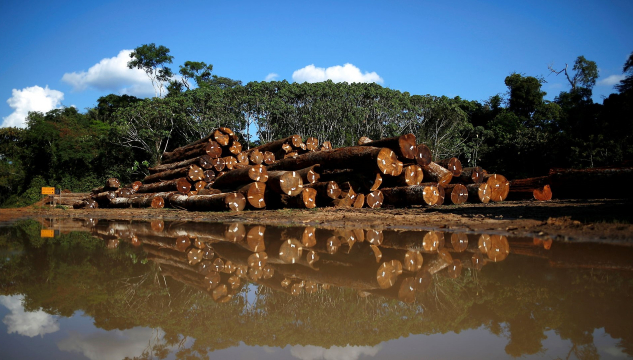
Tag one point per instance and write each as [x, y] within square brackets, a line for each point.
[285, 182]
[244, 175]
[591, 183]
[311, 174]
[355, 157]
[456, 193]
[436, 173]
[411, 175]
[217, 202]
[211, 148]
[499, 187]
[404, 145]
[427, 195]
[193, 173]
[453, 165]
[374, 199]
[203, 161]
[478, 193]
[181, 185]
[326, 191]
[471, 175]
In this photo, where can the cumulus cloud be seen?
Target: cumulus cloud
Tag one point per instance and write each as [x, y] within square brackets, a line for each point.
[27, 323]
[34, 98]
[110, 345]
[611, 80]
[346, 73]
[113, 75]
[311, 352]
[271, 77]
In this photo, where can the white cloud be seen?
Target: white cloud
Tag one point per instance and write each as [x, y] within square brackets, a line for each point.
[34, 98]
[311, 352]
[110, 345]
[271, 77]
[346, 73]
[112, 74]
[611, 80]
[27, 323]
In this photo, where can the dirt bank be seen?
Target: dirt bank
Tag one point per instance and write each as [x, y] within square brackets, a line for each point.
[562, 220]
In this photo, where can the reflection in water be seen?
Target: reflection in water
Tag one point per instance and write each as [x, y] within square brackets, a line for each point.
[111, 345]
[27, 323]
[328, 293]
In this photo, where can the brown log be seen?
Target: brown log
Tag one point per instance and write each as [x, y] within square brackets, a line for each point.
[355, 157]
[235, 148]
[591, 183]
[374, 199]
[242, 158]
[326, 191]
[203, 161]
[453, 165]
[269, 157]
[71, 201]
[181, 185]
[471, 175]
[230, 162]
[276, 145]
[199, 185]
[217, 202]
[146, 201]
[499, 186]
[285, 182]
[104, 197]
[363, 140]
[86, 204]
[312, 144]
[311, 174]
[218, 164]
[209, 176]
[436, 173]
[369, 181]
[221, 137]
[478, 193]
[111, 184]
[411, 175]
[359, 201]
[326, 146]
[254, 194]
[123, 192]
[211, 148]
[238, 177]
[404, 145]
[456, 193]
[209, 191]
[256, 157]
[305, 200]
[532, 188]
[411, 195]
[423, 155]
[193, 173]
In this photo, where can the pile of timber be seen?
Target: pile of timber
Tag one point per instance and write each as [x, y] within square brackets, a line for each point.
[216, 174]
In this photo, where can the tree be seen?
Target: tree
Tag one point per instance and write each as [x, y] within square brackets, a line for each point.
[525, 95]
[152, 60]
[584, 78]
[626, 85]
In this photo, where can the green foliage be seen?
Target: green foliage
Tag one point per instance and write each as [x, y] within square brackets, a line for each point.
[152, 60]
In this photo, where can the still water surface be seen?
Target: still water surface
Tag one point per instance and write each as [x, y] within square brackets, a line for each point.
[177, 290]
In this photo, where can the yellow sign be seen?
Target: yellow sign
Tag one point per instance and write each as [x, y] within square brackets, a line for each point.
[48, 191]
[47, 233]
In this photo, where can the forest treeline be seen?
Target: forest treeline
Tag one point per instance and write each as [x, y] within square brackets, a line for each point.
[518, 134]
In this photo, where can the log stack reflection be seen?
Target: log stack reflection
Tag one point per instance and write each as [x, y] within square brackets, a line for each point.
[221, 259]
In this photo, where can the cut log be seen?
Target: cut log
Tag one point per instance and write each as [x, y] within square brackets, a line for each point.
[111, 184]
[374, 199]
[181, 185]
[311, 174]
[276, 145]
[235, 147]
[211, 148]
[104, 197]
[218, 164]
[123, 192]
[312, 144]
[238, 177]
[221, 137]
[269, 157]
[456, 193]
[86, 204]
[411, 175]
[256, 157]
[471, 175]
[285, 182]
[326, 146]
[193, 173]
[478, 193]
[209, 191]
[436, 173]
[453, 165]
[203, 161]
[230, 162]
[355, 157]
[404, 145]
[254, 194]
[369, 181]
[326, 191]
[146, 201]
[499, 186]
[209, 176]
[242, 158]
[359, 201]
[423, 155]
[363, 140]
[217, 202]
[411, 195]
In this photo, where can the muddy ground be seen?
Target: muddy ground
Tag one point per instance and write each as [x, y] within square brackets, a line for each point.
[562, 220]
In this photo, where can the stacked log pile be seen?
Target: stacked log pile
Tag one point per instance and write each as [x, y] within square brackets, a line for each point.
[216, 174]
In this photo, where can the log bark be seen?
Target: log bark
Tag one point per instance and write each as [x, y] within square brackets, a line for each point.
[456, 193]
[305, 200]
[355, 157]
[436, 173]
[374, 199]
[411, 175]
[256, 157]
[311, 174]
[111, 184]
[285, 182]
[147, 201]
[181, 185]
[86, 204]
[211, 148]
[453, 165]
[478, 193]
[193, 173]
[423, 155]
[471, 175]
[254, 194]
[238, 177]
[326, 191]
[427, 195]
[203, 161]
[217, 202]
[276, 145]
[369, 181]
[312, 144]
[532, 188]
[404, 146]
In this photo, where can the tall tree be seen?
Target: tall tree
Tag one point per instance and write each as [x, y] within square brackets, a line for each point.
[626, 85]
[152, 59]
[584, 77]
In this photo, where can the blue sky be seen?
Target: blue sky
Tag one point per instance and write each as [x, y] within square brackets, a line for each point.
[458, 48]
